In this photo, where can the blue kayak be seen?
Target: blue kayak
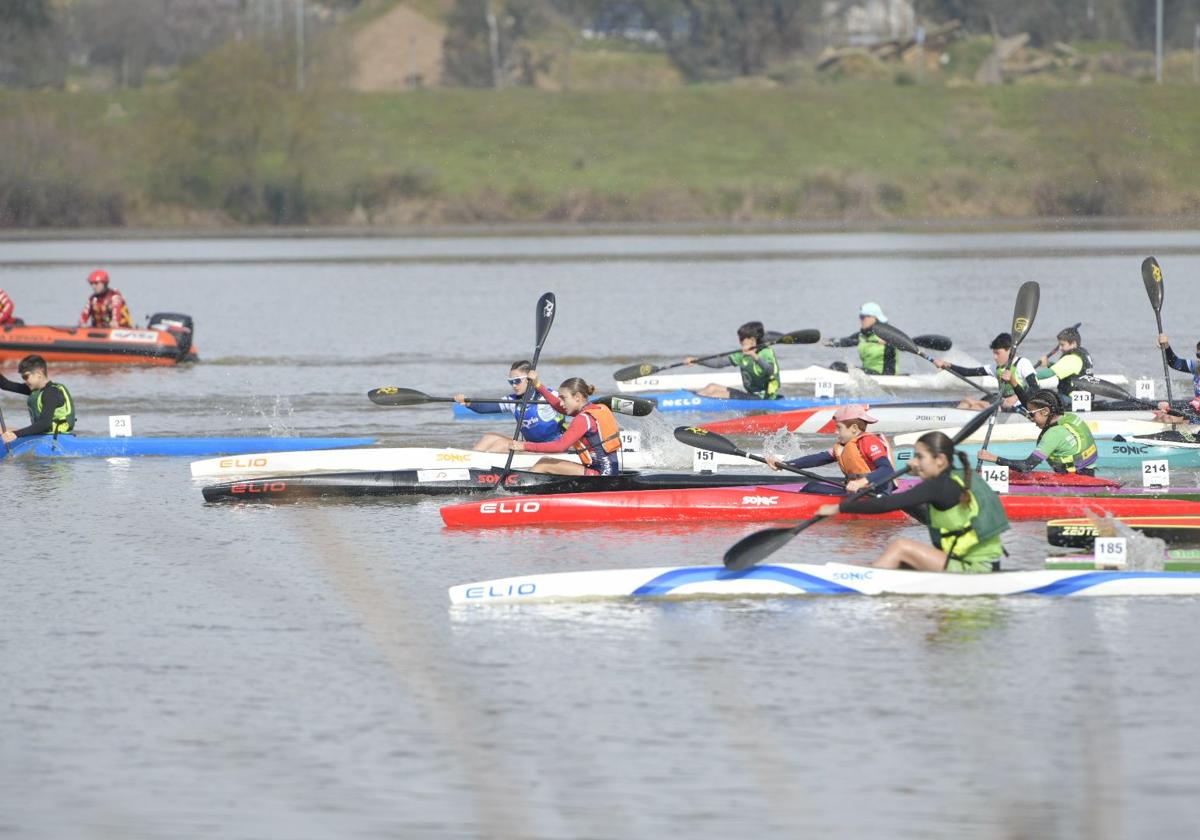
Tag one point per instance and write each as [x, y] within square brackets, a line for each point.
[70, 446]
[689, 401]
[1114, 453]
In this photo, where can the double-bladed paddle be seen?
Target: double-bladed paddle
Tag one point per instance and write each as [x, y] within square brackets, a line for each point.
[4, 430]
[543, 318]
[392, 396]
[1109, 390]
[798, 337]
[713, 442]
[1153, 280]
[761, 544]
[900, 341]
[1024, 311]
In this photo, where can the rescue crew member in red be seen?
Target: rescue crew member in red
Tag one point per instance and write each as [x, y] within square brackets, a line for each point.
[6, 310]
[51, 409]
[106, 307]
[863, 457]
[593, 433]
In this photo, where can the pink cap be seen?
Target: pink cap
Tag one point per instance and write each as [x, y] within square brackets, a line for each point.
[853, 412]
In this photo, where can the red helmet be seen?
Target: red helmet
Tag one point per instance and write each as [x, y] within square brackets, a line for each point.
[98, 276]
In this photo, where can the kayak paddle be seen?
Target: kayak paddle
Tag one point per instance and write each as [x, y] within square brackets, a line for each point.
[543, 318]
[1108, 390]
[761, 544]
[1024, 311]
[933, 342]
[1153, 280]
[798, 337]
[4, 430]
[392, 396]
[900, 341]
[704, 439]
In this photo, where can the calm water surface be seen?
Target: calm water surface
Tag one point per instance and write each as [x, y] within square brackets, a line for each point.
[171, 669]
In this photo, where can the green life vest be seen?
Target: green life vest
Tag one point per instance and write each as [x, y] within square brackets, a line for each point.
[63, 421]
[1007, 389]
[1084, 454]
[871, 350]
[754, 379]
[971, 532]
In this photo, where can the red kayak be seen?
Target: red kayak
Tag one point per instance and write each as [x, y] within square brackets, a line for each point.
[167, 341]
[761, 503]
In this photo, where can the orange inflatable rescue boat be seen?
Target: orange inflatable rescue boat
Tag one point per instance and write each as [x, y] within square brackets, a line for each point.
[166, 341]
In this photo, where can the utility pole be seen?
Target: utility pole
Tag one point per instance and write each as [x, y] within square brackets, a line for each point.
[1158, 20]
[300, 45]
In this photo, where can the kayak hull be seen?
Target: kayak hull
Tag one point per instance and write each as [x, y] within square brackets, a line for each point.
[689, 401]
[69, 446]
[778, 579]
[762, 503]
[1113, 453]
[124, 346]
[1082, 532]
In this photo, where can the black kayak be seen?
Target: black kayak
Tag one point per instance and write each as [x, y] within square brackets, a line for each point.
[452, 481]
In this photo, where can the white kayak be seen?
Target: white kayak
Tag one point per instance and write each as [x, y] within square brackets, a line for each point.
[398, 458]
[1104, 424]
[811, 579]
[933, 380]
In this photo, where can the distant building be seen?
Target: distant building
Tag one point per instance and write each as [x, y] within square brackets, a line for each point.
[866, 22]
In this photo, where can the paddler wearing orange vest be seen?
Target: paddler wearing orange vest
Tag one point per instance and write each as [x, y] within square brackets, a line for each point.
[863, 457]
[593, 434]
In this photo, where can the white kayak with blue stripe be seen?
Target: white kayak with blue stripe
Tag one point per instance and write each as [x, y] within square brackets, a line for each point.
[70, 446]
[810, 579]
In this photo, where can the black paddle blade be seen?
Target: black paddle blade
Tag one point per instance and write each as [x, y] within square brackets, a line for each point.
[396, 396]
[1025, 310]
[940, 343]
[1101, 388]
[1153, 279]
[896, 338]
[760, 545]
[633, 406]
[704, 439]
[633, 372]
[544, 317]
[799, 337]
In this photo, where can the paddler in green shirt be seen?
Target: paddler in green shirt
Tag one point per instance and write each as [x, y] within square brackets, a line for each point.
[877, 355]
[1066, 442]
[759, 367]
[1074, 361]
[51, 409]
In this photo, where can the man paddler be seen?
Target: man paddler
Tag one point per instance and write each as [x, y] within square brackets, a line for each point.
[51, 409]
[1012, 374]
[875, 354]
[1065, 442]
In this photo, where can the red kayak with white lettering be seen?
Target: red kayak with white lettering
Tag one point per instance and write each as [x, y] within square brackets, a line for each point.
[765, 503]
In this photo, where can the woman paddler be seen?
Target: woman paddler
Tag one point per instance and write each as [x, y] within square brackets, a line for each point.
[593, 433]
[863, 457]
[965, 518]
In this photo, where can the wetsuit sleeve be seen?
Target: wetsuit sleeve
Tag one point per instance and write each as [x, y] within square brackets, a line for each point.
[816, 459]
[848, 341]
[1028, 372]
[15, 387]
[889, 360]
[52, 400]
[490, 408]
[767, 364]
[553, 400]
[1027, 465]
[1176, 363]
[975, 371]
[571, 436]
[941, 492]
[1054, 438]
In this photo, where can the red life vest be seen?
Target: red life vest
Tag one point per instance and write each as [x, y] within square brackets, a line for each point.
[603, 436]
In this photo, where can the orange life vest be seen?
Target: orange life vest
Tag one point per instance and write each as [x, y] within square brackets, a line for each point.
[851, 459]
[603, 436]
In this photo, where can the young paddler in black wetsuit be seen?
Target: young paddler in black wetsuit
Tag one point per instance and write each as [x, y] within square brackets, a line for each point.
[51, 409]
[759, 367]
[965, 518]
[1012, 375]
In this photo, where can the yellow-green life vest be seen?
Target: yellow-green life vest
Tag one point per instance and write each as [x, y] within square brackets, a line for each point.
[1084, 454]
[970, 532]
[754, 378]
[63, 421]
[871, 350]
[1007, 389]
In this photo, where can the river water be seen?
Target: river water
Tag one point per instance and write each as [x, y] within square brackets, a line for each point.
[175, 669]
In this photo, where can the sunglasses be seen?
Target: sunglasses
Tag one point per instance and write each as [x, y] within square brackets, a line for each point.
[517, 381]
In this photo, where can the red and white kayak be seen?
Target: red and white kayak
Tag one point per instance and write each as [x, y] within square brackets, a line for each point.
[167, 341]
[762, 503]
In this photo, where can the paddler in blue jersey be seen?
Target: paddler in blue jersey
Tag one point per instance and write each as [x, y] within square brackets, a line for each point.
[540, 422]
[759, 367]
[965, 518]
[876, 355]
[864, 458]
[51, 409]
[1191, 366]
[1073, 362]
[1065, 442]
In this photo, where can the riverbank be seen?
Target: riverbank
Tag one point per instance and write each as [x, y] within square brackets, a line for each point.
[857, 153]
